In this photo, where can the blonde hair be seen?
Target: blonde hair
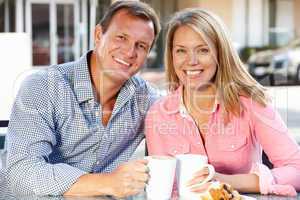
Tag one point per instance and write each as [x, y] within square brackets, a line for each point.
[232, 80]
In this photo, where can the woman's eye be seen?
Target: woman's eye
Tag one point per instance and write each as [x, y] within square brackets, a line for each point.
[203, 50]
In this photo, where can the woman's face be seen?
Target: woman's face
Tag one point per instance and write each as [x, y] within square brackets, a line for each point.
[193, 60]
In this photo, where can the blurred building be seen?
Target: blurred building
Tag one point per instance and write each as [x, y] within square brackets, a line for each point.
[61, 30]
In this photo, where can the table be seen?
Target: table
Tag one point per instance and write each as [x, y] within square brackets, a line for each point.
[6, 195]
[138, 197]
[273, 197]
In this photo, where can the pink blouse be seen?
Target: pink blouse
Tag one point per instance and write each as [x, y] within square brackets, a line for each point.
[234, 148]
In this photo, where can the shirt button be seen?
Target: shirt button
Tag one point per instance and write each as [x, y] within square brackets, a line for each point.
[97, 113]
[175, 151]
[98, 162]
[198, 143]
[95, 129]
[232, 146]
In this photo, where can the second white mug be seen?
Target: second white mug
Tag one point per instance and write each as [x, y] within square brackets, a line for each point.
[187, 166]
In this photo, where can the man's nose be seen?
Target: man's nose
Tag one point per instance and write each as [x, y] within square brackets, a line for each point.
[130, 51]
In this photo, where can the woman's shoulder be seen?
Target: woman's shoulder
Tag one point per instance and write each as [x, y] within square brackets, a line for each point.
[250, 102]
[168, 103]
[250, 105]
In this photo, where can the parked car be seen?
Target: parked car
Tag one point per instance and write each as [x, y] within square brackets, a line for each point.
[281, 65]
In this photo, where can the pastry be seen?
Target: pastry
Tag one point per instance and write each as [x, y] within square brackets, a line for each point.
[220, 191]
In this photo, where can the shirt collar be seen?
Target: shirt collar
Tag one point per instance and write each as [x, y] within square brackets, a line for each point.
[82, 80]
[176, 103]
[126, 92]
[83, 85]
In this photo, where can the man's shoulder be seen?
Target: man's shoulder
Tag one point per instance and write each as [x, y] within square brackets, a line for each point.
[143, 85]
[44, 82]
[45, 75]
[34, 88]
[65, 68]
[145, 88]
[68, 69]
[139, 82]
[36, 77]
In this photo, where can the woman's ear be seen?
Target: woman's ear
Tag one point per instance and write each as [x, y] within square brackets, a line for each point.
[97, 33]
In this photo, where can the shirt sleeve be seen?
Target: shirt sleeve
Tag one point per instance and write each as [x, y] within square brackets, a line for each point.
[280, 146]
[31, 138]
[152, 133]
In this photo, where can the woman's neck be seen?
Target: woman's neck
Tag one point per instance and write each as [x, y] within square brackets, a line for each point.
[200, 99]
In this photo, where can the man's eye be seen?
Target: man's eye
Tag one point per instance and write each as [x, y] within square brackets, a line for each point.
[141, 46]
[121, 37]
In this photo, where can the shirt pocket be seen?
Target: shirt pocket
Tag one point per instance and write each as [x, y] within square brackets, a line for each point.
[232, 143]
[233, 154]
[177, 147]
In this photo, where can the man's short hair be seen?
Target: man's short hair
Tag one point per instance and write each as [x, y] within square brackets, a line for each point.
[135, 8]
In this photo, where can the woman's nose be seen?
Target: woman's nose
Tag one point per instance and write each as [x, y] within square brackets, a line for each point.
[193, 58]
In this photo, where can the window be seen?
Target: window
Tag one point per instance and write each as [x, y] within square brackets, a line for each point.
[2, 16]
[65, 32]
[164, 9]
[40, 34]
[7, 15]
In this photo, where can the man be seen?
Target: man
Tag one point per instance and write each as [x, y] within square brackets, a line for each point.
[74, 126]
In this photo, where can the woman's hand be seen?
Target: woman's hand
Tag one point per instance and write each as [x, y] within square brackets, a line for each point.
[196, 183]
[248, 183]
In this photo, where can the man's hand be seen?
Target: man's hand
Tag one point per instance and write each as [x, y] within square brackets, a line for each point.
[129, 178]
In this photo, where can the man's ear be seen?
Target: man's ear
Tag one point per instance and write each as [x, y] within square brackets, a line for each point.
[98, 33]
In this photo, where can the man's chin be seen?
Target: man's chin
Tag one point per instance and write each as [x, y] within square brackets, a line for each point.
[119, 77]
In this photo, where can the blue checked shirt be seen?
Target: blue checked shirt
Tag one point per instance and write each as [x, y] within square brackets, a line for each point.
[55, 133]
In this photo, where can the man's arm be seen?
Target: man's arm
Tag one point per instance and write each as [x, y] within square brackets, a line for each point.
[31, 139]
[128, 179]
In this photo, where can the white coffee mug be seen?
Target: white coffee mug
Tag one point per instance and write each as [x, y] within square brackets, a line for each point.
[162, 174]
[187, 166]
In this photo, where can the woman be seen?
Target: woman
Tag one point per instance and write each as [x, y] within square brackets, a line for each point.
[217, 109]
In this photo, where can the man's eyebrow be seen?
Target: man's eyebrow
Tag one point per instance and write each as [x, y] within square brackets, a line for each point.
[143, 42]
[139, 41]
[123, 34]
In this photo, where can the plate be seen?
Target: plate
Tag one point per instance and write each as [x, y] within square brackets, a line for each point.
[244, 197]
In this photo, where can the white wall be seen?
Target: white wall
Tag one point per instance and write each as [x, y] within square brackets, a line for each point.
[255, 23]
[250, 22]
[15, 63]
[285, 21]
[266, 22]
[239, 22]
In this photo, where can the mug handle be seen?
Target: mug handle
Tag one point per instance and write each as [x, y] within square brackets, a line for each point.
[211, 171]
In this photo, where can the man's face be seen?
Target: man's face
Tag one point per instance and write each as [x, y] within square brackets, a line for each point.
[123, 48]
